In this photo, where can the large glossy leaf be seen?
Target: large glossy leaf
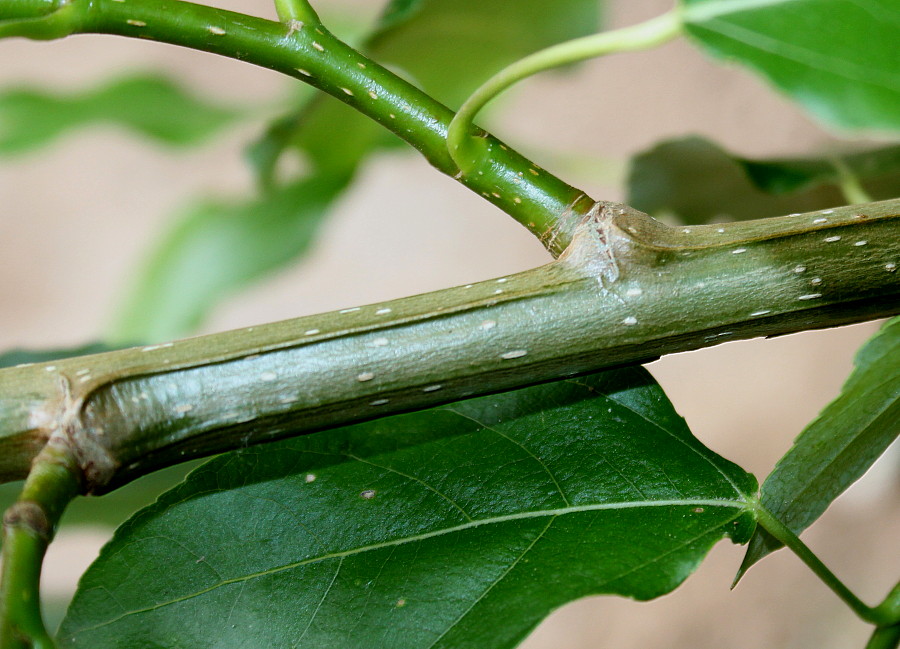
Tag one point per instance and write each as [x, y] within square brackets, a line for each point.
[467, 41]
[217, 247]
[149, 104]
[839, 445]
[696, 181]
[458, 527]
[838, 58]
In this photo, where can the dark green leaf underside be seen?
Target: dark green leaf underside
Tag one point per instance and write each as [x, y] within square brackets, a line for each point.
[150, 105]
[462, 526]
[839, 446]
[696, 181]
[837, 58]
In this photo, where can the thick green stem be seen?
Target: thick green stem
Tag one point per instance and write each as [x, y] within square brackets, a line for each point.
[628, 290]
[28, 527]
[885, 638]
[470, 152]
[780, 531]
[546, 205]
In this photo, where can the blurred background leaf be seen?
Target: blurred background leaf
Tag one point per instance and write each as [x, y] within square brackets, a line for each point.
[695, 181]
[150, 105]
[838, 59]
[218, 247]
[467, 41]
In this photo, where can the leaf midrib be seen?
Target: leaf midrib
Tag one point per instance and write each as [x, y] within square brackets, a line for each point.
[735, 504]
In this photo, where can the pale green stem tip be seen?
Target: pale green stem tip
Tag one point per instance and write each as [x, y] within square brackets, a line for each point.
[294, 11]
[651, 33]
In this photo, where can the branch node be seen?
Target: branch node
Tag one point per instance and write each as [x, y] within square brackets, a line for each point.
[30, 516]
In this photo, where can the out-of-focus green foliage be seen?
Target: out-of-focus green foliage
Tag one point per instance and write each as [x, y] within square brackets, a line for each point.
[151, 105]
[696, 181]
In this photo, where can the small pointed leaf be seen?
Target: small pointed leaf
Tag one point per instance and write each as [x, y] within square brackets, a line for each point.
[462, 526]
[838, 446]
[838, 58]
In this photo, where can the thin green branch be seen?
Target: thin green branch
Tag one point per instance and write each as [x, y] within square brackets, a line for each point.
[28, 527]
[296, 13]
[468, 150]
[546, 205]
[874, 615]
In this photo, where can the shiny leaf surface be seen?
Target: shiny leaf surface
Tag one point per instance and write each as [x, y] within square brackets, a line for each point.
[461, 526]
[150, 105]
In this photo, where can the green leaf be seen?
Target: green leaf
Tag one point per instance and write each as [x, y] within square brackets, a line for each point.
[462, 526]
[467, 41]
[837, 58]
[838, 446]
[696, 181]
[151, 105]
[218, 247]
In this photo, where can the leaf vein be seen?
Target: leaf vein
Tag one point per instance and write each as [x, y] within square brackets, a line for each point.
[735, 504]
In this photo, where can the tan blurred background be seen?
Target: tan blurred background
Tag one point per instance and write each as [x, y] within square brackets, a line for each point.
[75, 219]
